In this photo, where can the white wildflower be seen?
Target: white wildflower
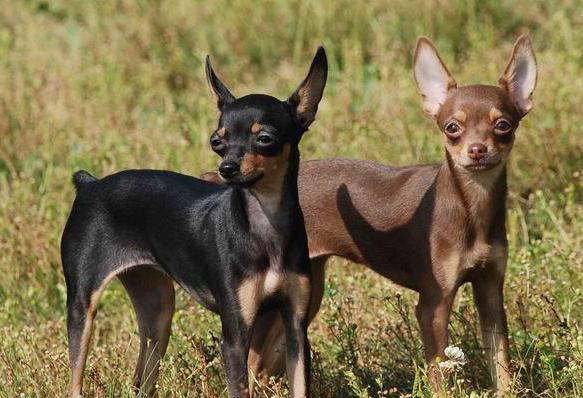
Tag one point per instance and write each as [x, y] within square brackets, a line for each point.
[456, 358]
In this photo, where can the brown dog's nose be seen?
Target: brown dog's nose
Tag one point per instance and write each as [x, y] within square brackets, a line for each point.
[477, 151]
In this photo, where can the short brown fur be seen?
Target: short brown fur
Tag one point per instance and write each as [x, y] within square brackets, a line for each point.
[430, 228]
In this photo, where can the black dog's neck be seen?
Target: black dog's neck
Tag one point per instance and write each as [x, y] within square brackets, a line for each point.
[274, 207]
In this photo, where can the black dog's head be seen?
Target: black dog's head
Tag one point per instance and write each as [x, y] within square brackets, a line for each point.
[256, 132]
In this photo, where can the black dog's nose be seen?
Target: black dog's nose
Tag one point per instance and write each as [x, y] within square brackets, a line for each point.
[229, 169]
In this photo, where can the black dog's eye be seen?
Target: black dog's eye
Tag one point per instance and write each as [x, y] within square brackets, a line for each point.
[502, 127]
[216, 141]
[265, 139]
[452, 130]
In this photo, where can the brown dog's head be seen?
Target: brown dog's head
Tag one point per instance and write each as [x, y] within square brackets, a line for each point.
[478, 121]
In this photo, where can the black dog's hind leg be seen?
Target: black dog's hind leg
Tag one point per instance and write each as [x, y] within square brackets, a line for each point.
[82, 298]
[152, 294]
[80, 315]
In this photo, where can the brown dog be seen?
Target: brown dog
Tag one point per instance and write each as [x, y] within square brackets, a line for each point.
[430, 228]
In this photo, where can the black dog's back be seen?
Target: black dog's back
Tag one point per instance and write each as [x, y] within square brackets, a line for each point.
[142, 216]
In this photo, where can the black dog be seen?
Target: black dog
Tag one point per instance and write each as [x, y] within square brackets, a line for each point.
[238, 249]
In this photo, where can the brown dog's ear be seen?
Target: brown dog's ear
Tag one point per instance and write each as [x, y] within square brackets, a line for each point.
[432, 77]
[221, 93]
[519, 77]
[307, 96]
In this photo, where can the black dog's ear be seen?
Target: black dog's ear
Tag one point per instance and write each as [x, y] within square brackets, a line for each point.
[221, 93]
[307, 96]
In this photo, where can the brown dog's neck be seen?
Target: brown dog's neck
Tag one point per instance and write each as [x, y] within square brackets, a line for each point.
[482, 194]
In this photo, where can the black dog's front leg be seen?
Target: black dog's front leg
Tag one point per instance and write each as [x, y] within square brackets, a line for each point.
[235, 350]
[294, 312]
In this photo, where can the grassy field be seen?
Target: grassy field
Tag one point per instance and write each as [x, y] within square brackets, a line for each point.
[111, 85]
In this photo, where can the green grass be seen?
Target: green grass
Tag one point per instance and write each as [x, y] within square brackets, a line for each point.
[110, 85]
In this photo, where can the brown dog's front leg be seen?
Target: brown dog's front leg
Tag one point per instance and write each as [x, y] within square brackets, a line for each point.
[433, 315]
[488, 296]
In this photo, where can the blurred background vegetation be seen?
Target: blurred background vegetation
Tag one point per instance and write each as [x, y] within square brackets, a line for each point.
[110, 85]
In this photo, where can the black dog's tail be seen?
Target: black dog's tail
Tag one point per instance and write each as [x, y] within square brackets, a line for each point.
[81, 178]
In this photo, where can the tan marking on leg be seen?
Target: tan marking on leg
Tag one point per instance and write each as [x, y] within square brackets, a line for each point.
[248, 294]
[78, 367]
[299, 291]
[295, 371]
[494, 114]
[460, 115]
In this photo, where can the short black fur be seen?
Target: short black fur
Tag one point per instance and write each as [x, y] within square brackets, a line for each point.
[149, 227]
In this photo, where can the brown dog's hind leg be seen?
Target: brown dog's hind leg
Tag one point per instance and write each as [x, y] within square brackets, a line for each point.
[267, 353]
[152, 294]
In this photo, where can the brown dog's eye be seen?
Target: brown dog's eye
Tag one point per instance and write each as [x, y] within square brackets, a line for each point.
[452, 130]
[502, 127]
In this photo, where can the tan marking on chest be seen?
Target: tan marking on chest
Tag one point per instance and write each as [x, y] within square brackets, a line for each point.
[255, 289]
[494, 114]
